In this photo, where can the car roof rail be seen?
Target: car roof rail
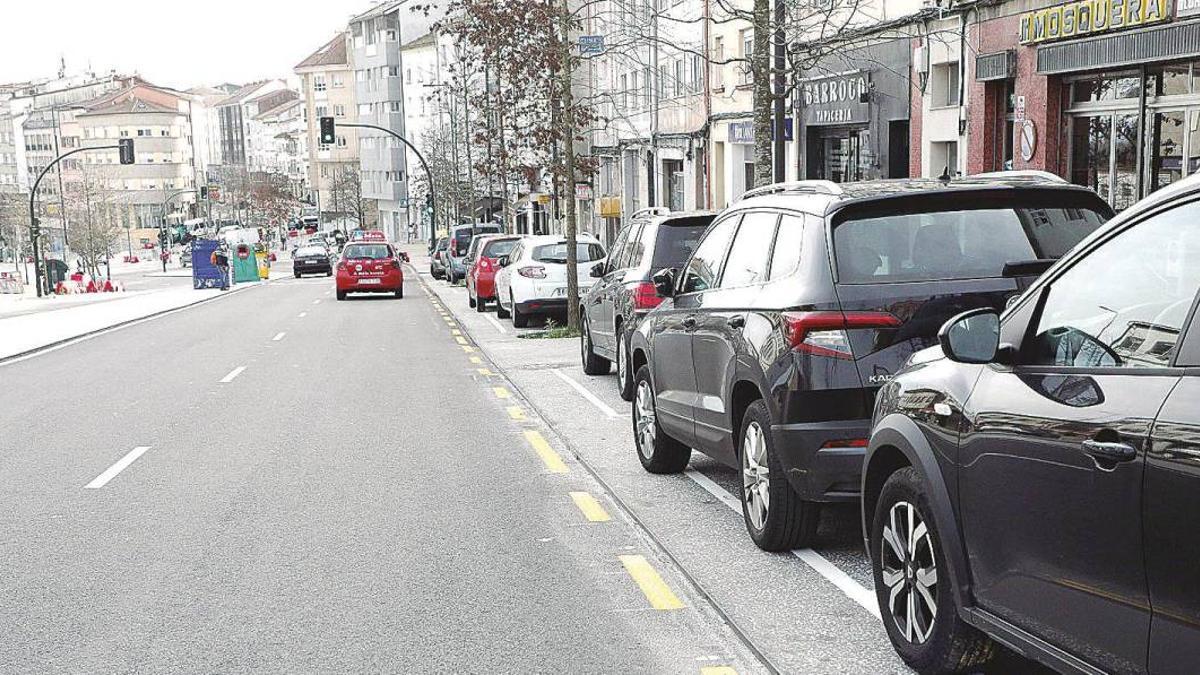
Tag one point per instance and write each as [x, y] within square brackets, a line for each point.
[826, 187]
[650, 212]
[1022, 173]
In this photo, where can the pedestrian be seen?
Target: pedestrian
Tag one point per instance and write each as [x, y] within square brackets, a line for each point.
[220, 260]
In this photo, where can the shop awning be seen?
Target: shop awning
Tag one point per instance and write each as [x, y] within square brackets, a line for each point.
[1129, 48]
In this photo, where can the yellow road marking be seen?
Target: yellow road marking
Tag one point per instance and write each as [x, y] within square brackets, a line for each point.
[468, 349]
[456, 332]
[486, 372]
[549, 457]
[652, 585]
[516, 413]
[501, 392]
[461, 340]
[476, 360]
[717, 670]
[592, 509]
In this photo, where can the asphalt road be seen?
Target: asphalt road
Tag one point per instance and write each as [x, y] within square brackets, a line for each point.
[279, 482]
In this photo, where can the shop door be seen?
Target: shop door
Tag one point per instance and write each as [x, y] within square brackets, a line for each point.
[1165, 142]
[1104, 156]
[842, 158]
[673, 177]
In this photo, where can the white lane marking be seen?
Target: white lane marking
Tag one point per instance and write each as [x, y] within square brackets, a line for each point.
[112, 471]
[303, 314]
[317, 301]
[277, 338]
[232, 374]
[819, 563]
[495, 323]
[586, 394]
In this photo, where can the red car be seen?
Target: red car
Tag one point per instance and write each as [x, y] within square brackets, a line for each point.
[481, 277]
[369, 268]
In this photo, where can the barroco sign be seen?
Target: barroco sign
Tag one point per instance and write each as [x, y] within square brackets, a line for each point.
[837, 99]
[1085, 17]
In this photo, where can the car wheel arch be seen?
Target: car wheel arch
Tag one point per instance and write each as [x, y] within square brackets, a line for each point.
[742, 395]
[897, 443]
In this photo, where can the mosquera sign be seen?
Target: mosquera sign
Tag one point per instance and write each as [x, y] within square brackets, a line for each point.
[837, 99]
[1085, 17]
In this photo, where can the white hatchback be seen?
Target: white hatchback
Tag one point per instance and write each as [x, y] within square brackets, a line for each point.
[534, 280]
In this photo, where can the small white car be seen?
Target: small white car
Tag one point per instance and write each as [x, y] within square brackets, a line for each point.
[533, 277]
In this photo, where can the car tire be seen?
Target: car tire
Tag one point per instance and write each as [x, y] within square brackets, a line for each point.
[297, 274]
[948, 644]
[471, 302]
[592, 364]
[501, 313]
[329, 273]
[777, 519]
[341, 295]
[480, 305]
[658, 452]
[624, 376]
[519, 320]
[400, 292]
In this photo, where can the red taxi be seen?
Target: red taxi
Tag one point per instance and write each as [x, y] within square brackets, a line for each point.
[369, 267]
[481, 277]
[367, 235]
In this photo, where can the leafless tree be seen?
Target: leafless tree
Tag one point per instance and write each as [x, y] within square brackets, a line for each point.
[347, 194]
[93, 220]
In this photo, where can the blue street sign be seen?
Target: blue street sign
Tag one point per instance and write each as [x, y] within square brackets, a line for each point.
[591, 44]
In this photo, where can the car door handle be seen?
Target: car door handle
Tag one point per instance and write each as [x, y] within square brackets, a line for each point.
[1110, 452]
[736, 322]
[690, 323]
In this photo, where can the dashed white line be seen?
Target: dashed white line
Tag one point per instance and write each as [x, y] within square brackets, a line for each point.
[591, 398]
[112, 471]
[303, 314]
[317, 301]
[819, 563]
[278, 337]
[232, 374]
[495, 323]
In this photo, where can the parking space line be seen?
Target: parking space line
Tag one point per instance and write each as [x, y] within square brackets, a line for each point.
[456, 332]
[278, 337]
[501, 392]
[591, 398]
[468, 349]
[517, 413]
[549, 457]
[717, 670]
[112, 471]
[460, 340]
[476, 360]
[232, 374]
[303, 314]
[495, 324]
[592, 509]
[486, 372]
[819, 563]
[651, 584]
[317, 301]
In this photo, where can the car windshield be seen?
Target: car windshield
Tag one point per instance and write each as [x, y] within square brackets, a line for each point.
[311, 251]
[557, 253]
[676, 239]
[496, 249]
[958, 244]
[368, 252]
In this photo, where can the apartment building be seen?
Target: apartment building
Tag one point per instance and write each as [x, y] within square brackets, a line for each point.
[233, 113]
[278, 144]
[328, 89]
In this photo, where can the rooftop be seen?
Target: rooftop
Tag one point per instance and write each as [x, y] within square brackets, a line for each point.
[333, 53]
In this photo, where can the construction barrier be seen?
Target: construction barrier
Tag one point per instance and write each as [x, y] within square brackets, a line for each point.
[10, 283]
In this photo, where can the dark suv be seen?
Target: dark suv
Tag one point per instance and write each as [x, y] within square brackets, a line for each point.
[625, 290]
[803, 299]
[1037, 480]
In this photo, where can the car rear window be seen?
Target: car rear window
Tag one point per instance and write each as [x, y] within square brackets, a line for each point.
[557, 253]
[677, 239]
[496, 249]
[954, 244]
[310, 251]
[368, 251]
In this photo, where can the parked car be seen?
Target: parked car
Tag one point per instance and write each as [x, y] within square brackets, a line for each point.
[624, 290]
[311, 260]
[460, 242]
[484, 263]
[369, 267]
[533, 278]
[803, 299]
[437, 266]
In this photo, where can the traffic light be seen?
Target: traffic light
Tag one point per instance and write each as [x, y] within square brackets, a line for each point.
[203, 192]
[328, 137]
[125, 147]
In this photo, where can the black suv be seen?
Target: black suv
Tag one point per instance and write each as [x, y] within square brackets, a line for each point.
[803, 299]
[625, 290]
[1037, 480]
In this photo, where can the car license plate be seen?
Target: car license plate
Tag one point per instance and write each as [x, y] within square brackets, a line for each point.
[366, 282]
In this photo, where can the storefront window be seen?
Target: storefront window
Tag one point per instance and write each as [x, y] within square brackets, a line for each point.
[1105, 89]
[1172, 80]
[1166, 147]
[1193, 163]
[1125, 140]
[1091, 153]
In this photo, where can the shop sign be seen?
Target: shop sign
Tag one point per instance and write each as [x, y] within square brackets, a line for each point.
[1184, 8]
[591, 44]
[743, 132]
[1086, 17]
[837, 99]
[583, 191]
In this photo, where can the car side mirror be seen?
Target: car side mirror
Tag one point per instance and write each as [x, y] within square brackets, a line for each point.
[503, 261]
[664, 282]
[598, 269]
[971, 337]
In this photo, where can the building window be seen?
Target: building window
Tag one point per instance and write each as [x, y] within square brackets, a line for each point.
[408, 76]
[394, 71]
[337, 80]
[624, 91]
[322, 111]
[944, 88]
[697, 73]
[396, 106]
[339, 110]
[318, 83]
[747, 74]
[364, 108]
[341, 141]
[679, 88]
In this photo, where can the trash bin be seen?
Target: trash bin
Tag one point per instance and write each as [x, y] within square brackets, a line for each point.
[245, 265]
[56, 272]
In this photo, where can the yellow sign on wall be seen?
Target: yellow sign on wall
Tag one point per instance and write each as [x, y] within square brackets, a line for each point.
[1086, 17]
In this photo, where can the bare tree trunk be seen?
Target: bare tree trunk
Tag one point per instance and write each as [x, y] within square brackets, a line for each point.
[764, 99]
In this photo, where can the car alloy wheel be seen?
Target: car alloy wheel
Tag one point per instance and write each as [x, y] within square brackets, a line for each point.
[756, 475]
[645, 419]
[622, 363]
[909, 572]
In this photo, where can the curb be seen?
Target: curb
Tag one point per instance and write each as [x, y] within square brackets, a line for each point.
[19, 356]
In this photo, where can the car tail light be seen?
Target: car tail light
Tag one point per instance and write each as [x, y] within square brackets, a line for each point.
[395, 264]
[645, 296]
[845, 443]
[485, 264]
[533, 272]
[824, 333]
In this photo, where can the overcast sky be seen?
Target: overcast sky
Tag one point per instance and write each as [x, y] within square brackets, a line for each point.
[169, 42]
